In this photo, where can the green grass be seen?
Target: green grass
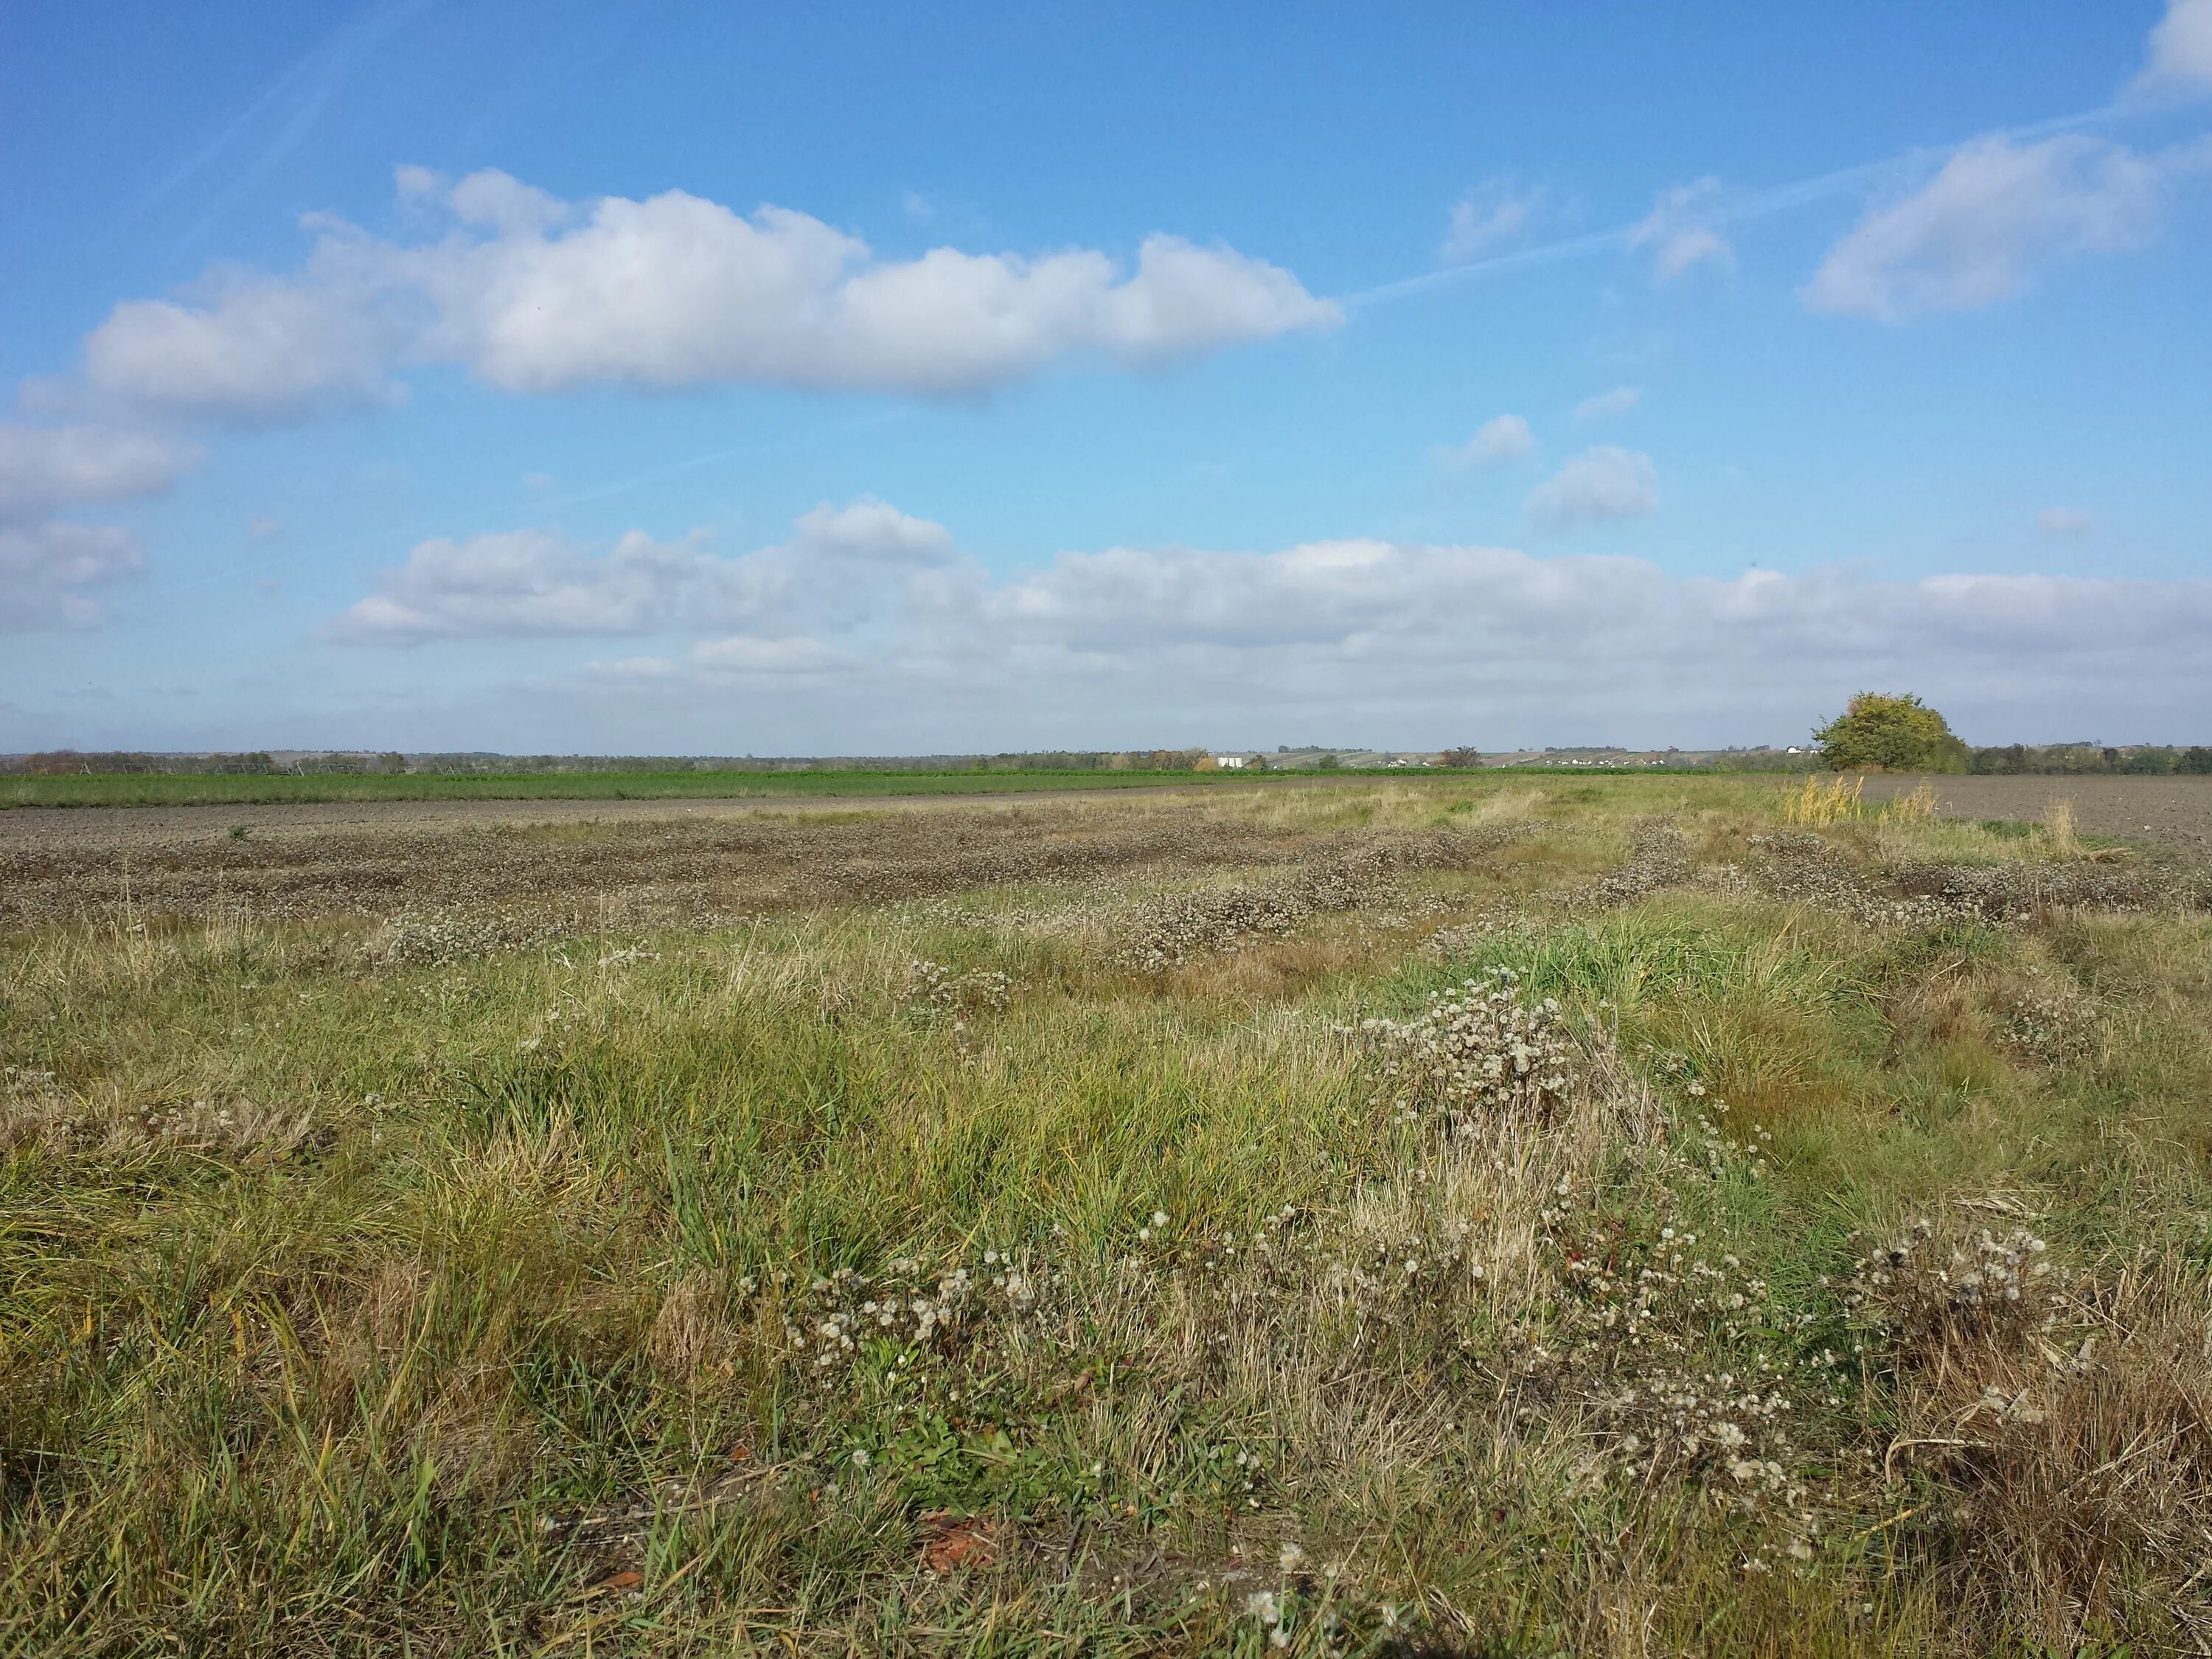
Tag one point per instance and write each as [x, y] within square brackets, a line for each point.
[151, 790]
[199, 789]
[355, 1306]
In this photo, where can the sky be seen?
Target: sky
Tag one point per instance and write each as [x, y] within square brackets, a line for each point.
[732, 378]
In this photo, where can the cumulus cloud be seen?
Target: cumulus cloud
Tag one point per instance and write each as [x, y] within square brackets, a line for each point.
[47, 568]
[2064, 521]
[1434, 641]
[872, 532]
[1382, 625]
[2180, 50]
[1683, 230]
[1495, 441]
[46, 469]
[535, 295]
[1998, 210]
[1101, 646]
[51, 568]
[837, 565]
[1493, 213]
[1606, 405]
[1599, 484]
[251, 349]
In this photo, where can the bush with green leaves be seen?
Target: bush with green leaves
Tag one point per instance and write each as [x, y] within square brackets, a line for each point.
[1884, 733]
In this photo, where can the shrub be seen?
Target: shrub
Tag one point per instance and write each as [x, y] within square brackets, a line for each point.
[1878, 732]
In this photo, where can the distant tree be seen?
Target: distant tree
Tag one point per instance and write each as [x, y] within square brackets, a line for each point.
[1327, 763]
[1878, 732]
[2149, 762]
[2196, 759]
[1463, 759]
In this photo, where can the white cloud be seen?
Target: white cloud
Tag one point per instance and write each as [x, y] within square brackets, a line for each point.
[1599, 484]
[839, 564]
[1383, 623]
[1494, 212]
[1683, 230]
[873, 532]
[1607, 404]
[46, 569]
[506, 204]
[1437, 642]
[634, 668]
[534, 295]
[44, 469]
[1495, 441]
[1975, 233]
[47, 565]
[252, 349]
[2064, 521]
[752, 654]
[2180, 50]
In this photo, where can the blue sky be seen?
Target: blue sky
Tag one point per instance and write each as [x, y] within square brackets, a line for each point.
[668, 377]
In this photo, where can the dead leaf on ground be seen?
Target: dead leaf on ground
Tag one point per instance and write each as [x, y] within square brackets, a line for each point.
[950, 1540]
[622, 1582]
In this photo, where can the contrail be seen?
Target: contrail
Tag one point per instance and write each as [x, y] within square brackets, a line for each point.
[1731, 208]
[308, 84]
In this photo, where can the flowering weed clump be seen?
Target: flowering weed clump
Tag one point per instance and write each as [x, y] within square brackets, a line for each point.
[2054, 1427]
[1658, 858]
[936, 986]
[1477, 1051]
[1182, 927]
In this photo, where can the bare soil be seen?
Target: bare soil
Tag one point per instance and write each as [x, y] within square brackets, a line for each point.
[2173, 812]
[681, 860]
[664, 861]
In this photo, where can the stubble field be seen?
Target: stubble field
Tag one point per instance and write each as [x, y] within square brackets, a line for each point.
[1499, 1216]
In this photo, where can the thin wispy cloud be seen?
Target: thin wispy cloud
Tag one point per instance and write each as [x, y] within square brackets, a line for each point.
[1598, 485]
[1498, 441]
[1608, 406]
[2179, 61]
[1995, 214]
[1493, 213]
[1722, 208]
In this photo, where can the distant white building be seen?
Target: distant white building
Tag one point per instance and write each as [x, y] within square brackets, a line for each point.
[1231, 763]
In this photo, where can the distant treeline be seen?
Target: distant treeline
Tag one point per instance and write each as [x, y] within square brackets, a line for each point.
[2059, 759]
[2080, 759]
[260, 763]
[63, 763]
[60, 763]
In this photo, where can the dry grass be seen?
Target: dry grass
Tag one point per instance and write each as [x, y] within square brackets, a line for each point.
[2059, 827]
[1387, 1220]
